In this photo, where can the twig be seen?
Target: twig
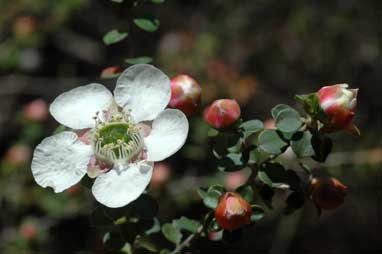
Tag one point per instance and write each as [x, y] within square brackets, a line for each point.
[187, 242]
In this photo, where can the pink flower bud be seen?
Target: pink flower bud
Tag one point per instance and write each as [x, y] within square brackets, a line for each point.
[235, 179]
[24, 26]
[327, 193]
[233, 211]
[111, 72]
[161, 174]
[270, 123]
[339, 104]
[18, 155]
[28, 230]
[222, 113]
[185, 94]
[36, 110]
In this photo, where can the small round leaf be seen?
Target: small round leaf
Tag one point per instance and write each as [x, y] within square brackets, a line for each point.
[172, 233]
[288, 120]
[271, 142]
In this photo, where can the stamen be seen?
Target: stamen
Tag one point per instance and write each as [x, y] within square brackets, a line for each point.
[117, 141]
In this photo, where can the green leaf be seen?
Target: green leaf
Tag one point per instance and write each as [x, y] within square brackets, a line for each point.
[212, 199]
[277, 109]
[246, 192]
[271, 142]
[147, 25]
[31, 133]
[172, 233]
[302, 144]
[306, 168]
[287, 135]
[117, 1]
[157, 1]
[114, 36]
[225, 143]
[155, 227]
[113, 241]
[251, 127]
[311, 104]
[270, 173]
[257, 213]
[202, 192]
[253, 157]
[264, 178]
[231, 162]
[139, 60]
[219, 188]
[147, 243]
[187, 224]
[127, 249]
[288, 120]
[212, 132]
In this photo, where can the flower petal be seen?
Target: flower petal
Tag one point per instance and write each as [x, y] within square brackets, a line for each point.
[77, 107]
[144, 90]
[60, 161]
[119, 187]
[168, 135]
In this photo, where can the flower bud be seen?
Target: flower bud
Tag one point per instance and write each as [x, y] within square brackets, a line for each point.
[327, 193]
[339, 104]
[111, 72]
[235, 179]
[161, 174]
[28, 230]
[222, 113]
[185, 94]
[36, 110]
[233, 211]
[24, 26]
[18, 155]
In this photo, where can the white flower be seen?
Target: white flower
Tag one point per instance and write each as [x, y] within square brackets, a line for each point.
[121, 136]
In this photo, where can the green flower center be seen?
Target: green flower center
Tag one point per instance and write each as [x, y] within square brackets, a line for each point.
[117, 142]
[111, 134]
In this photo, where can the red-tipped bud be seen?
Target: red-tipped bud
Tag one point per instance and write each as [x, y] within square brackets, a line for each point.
[111, 72]
[270, 123]
[18, 155]
[28, 230]
[233, 211]
[161, 174]
[339, 104]
[185, 94]
[36, 110]
[327, 193]
[222, 113]
[235, 179]
[24, 26]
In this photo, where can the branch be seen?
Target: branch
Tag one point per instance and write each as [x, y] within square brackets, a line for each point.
[187, 242]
